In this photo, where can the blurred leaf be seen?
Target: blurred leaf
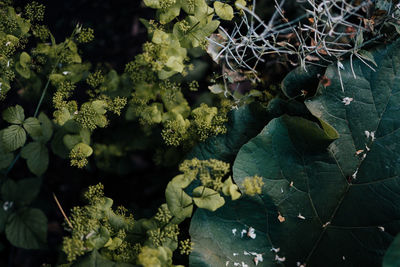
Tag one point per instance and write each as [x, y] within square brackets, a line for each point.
[392, 255]
[37, 157]
[22, 192]
[27, 228]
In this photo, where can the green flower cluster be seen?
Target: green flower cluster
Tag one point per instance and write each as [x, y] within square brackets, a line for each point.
[85, 35]
[98, 227]
[253, 185]
[158, 101]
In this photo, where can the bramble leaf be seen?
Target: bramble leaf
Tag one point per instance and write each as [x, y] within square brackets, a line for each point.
[13, 137]
[32, 126]
[27, 228]
[46, 128]
[22, 192]
[37, 157]
[14, 115]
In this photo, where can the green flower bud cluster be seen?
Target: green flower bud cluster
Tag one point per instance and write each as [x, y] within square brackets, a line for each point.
[41, 32]
[95, 79]
[160, 236]
[203, 122]
[117, 237]
[35, 11]
[86, 35]
[163, 215]
[98, 227]
[14, 33]
[210, 172]
[185, 247]
[156, 101]
[253, 185]
[155, 257]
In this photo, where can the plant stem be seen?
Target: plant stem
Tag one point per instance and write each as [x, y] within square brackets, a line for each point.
[43, 94]
[41, 98]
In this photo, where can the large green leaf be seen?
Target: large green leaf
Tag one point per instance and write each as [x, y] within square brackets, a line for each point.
[37, 157]
[27, 228]
[392, 256]
[244, 124]
[22, 192]
[335, 206]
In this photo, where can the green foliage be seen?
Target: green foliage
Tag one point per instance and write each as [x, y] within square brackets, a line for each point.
[24, 227]
[392, 257]
[27, 228]
[307, 172]
[211, 174]
[97, 226]
[104, 236]
[318, 190]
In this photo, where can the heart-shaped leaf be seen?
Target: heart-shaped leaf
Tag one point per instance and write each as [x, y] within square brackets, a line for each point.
[319, 206]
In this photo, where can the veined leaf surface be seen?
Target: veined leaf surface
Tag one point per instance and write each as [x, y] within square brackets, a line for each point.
[336, 205]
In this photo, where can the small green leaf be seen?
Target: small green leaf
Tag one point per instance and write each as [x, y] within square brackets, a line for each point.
[61, 116]
[47, 128]
[32, 126]
[37, 157]
[239, 4]
[23, 71]
[27, 228]
[359, 39]
[231, 189]
[206, 198]
[367, 55]
[179, 203]
[99, 239]
[70, 140]
[152, 3]
[217, 88]
[14, 115]
[223, 10]
[169, 14]
[99, 106]
[83, 148]
[14, 137]
[24, 59]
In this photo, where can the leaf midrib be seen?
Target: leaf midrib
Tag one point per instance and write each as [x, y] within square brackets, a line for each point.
[359, 165]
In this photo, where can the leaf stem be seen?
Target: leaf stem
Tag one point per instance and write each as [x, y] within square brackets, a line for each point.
[42, 95]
